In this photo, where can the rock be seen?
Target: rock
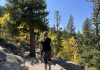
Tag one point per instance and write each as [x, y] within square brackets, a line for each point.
[1, 48]
[19, 59]
[13, 62]
[2, 55]
[23, 67]
[9, 47]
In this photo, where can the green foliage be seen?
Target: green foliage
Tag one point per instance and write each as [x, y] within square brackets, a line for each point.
[64, 51]
[92, 58]
[91, 68]
[29, 11]
[87, 28]
[70, 26]
[89, 53]
[26, 15]
[87, 46]
[2, 10]
[33, 13]
[11, 29]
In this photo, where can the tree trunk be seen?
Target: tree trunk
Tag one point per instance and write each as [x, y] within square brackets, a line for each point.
[32, 41]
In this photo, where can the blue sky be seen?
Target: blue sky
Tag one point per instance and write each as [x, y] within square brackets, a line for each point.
[79, 9]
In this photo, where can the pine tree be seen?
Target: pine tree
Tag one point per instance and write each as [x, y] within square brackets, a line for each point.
[58, 30]
[70, 26]
[87, 31]
[32, 12]
[86, 27]
[2, 10]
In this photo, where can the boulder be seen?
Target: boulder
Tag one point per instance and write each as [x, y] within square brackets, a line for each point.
[11, 62]
[2, 55]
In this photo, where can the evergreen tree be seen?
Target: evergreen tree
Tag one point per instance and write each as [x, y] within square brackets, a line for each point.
[79, 38]
[64, 33]
[87, 31]
[86, 28]
[2, 10]
[32, 12]
[58, 30]
[58, 18]
[70, 26]
[11, 30]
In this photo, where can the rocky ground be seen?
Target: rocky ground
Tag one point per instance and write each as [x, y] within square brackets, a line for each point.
[40, 66]
[11, 60]
[14, 62]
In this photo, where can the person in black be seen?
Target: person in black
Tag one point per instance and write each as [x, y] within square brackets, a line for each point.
[46, 50]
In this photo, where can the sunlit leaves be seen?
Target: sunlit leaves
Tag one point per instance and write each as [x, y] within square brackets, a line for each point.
[69, 51]
[4, 18]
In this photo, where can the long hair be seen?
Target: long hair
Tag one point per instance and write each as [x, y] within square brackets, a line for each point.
[45, 35]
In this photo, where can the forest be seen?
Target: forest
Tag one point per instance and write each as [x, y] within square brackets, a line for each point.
[23, 21]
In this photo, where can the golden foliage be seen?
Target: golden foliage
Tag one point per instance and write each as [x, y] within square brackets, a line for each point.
[74, 56]
[72, 41]
[22, 25]
[4, 18]
[69, 51]
[22, 37]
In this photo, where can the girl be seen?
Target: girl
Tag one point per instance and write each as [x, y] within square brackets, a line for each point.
[46, 50]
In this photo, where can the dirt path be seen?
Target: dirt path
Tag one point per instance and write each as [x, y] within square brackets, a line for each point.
[60, 65]
[40, 66]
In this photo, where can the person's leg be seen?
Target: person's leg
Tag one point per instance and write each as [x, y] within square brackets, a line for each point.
[45, 66]
[45, 60]
[42, 56]
[49, 63]
[49, 60]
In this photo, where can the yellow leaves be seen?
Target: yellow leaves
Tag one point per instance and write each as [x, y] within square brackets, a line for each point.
[72, 41]
[64, 43]
[7, 16]
[76, 57]
[22, 36]
[4, 18]
[73, 50]
[72, 44]
[22, 25]
[69, 51]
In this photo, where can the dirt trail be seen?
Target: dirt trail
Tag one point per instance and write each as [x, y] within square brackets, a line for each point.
[40, 66]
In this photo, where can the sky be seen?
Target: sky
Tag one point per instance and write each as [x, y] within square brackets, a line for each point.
[79, 9]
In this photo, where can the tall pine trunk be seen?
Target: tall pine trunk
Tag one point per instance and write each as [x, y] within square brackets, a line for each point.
[32, 41]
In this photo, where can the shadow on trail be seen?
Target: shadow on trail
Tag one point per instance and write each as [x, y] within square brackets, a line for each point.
[32, 60]
[66, 65]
